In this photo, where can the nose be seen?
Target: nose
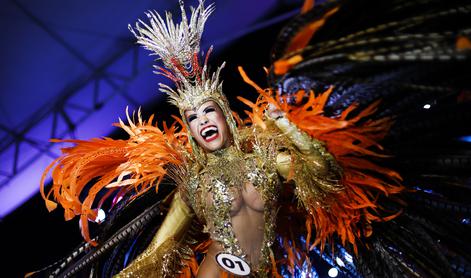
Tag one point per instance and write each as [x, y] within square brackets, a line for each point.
[203, 120]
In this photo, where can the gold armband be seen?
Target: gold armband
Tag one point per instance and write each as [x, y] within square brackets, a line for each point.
[311, 150]
[308, 163]
[176, 222]
[283, 164]
[300, 139]
[154, 261]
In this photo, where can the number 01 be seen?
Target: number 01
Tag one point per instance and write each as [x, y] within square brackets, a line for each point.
[233, 264]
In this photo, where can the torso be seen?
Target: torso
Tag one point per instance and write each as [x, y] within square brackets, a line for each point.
[230, 192]
[248, 223]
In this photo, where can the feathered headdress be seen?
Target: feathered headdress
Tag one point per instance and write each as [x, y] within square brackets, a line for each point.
[178, 47]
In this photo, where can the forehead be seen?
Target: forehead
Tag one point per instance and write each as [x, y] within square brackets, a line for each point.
[203, 106]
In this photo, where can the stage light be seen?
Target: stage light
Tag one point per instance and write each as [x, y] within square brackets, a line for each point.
[100, 216]
[333, 272]
[339, 262]
[427, 106]
[348, 257]
[465, 138]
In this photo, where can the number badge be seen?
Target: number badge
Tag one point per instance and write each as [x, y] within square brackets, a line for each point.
[233, 264]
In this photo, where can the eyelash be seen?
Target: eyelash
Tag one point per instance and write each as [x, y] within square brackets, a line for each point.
[191, 118]
[207, 110]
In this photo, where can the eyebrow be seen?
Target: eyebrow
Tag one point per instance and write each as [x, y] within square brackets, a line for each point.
[189, 114]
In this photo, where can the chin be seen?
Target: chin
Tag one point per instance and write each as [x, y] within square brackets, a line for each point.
[214, 146]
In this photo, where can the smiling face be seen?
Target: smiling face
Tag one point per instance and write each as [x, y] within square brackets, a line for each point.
[208, 126]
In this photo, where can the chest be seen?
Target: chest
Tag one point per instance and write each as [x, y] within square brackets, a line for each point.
[240, 196]
[228, 184]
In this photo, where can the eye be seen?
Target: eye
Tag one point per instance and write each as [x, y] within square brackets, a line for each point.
[209, 109]
[191, 118]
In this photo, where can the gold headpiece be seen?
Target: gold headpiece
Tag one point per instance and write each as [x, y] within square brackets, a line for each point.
[178, 47]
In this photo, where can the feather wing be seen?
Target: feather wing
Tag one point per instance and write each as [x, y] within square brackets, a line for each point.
[106, 167]
[411, 56]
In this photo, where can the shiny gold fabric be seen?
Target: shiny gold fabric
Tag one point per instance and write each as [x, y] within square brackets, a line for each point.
[314, 170]
[266, 156]
[165, 253]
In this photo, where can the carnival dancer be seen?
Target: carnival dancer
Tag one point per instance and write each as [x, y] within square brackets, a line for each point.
[253, 197]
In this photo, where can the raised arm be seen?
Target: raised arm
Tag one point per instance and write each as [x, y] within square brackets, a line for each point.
[307, 162]
[308, 150]
[312, 150]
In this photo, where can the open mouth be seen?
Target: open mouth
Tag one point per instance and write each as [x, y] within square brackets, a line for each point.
[209, 133]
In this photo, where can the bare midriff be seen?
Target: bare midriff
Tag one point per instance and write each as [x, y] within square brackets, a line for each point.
[248, 223]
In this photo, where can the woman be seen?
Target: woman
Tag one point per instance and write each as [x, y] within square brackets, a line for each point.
[230, 177]
[229, 180]
[230, 194]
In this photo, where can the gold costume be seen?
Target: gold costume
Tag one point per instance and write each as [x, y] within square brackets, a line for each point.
[266, 158]
[302, 179]
[323, 168]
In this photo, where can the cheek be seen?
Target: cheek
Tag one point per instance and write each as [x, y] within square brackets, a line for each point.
[224, 125]
[193, 128]
[220, 119]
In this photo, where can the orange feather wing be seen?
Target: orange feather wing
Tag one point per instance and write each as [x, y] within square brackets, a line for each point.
[353, 141]
[104, 165]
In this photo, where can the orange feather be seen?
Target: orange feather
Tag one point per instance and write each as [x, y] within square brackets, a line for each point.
[137, 164]
[353, 141]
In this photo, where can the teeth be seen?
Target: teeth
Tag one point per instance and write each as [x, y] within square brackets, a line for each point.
[208, 129]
